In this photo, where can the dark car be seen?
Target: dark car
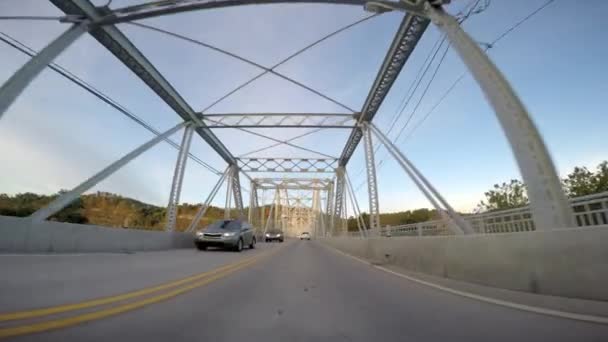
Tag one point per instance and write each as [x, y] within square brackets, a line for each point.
[274, 235]
[230, 234]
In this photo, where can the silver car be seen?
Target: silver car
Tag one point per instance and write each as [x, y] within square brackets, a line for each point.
[229, 234]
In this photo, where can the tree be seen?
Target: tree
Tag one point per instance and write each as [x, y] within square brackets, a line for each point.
[71, 213]
[580, 182]
[505, 196]
[583, 182]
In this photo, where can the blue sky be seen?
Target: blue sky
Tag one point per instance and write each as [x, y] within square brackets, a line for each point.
[56, 135]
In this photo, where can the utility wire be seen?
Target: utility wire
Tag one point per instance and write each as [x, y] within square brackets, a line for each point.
[474, 9]
[18, 45]
[488, 46]
[248, 61]
[322, 39]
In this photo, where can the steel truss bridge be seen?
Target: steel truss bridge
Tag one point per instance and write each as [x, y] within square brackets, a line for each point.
[320, 204]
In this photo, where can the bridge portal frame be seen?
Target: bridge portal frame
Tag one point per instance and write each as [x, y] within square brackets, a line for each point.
[548, 202]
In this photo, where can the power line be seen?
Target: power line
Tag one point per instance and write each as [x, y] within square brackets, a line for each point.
[526, 18]
[459, 79]
[488, 47]
[318, 41]
[474, 9]
[245, 60]
[20, 46]
[428, 85]
[471, 9]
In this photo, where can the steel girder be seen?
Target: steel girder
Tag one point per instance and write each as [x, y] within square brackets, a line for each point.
[236, 190]
[339, 193]
[293, 183]
[178, 178]
[156, 9]
[287, 165]
[276, 120]
[409, 33]
[372, 182]
[121, 47]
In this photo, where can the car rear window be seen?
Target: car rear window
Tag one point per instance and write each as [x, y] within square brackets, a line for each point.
[226, 224]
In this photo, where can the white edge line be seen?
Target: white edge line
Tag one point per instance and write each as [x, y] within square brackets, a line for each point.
[523, 307]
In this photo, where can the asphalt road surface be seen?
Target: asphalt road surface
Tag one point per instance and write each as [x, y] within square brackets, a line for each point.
[296, 291]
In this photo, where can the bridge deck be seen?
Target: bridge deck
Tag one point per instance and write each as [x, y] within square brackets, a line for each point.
[301, 291]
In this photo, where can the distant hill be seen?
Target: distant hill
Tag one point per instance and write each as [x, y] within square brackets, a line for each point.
[112, 210]
[106, 209]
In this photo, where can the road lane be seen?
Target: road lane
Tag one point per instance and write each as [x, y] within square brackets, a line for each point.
[49, 280]
[307, 293]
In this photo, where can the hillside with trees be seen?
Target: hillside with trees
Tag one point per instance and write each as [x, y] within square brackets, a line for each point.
[107, 209]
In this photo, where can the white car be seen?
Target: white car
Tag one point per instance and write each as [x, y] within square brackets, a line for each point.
[305, 236]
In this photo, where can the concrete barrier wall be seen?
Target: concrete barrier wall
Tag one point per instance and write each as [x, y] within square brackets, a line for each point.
[20, 235]
[564, 262]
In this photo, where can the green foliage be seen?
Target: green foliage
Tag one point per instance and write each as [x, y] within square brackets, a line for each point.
[398, 218]
[579, 182]
[505, 196]
[105, 209]
[583, 182]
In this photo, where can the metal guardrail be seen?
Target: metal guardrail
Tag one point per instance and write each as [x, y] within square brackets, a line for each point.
[590, 210]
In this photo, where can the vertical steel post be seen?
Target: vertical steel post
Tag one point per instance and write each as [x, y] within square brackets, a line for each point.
[372, 183]
[315, 211]
[321, 215]
[178, 178]
[228, 203]
[236, 191]
[251, 194]
[14, 86]
[344, 219]
[329, 211]
[68, 197]
[271, 212]
[263, 210]
[549, 205]
[339, 203]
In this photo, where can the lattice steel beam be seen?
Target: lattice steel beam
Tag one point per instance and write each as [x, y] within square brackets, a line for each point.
[340, 192]
[287, 165]
[293, 183]
[372, 182]
[178, 179]
[276, 120]
[169, 7]
[121, 47]
[409, 33]
[236, 190]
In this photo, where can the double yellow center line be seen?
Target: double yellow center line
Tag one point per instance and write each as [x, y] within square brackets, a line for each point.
[176, 288]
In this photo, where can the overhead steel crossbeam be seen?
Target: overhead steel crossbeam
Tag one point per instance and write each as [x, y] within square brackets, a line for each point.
[156, 9]
[287, 164]
[280, 142]
[119, 45]
[293, 183]
[410, 31]
[276, 120]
